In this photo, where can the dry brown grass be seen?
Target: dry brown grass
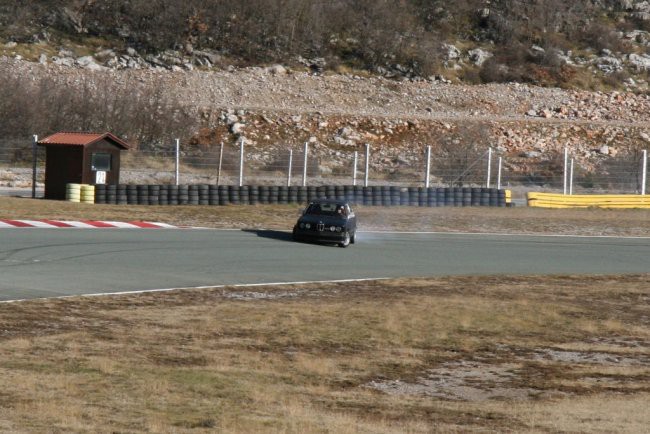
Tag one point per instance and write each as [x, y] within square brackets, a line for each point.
[472, 219]
[574, 350]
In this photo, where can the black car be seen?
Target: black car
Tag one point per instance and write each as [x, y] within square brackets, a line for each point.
[327, 220]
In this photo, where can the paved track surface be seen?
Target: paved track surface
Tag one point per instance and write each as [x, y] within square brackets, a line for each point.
[38, 263]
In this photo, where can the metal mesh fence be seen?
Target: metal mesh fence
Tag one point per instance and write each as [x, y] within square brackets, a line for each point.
[282, 165]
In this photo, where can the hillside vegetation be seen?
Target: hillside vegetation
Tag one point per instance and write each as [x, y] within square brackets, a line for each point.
[534, 41]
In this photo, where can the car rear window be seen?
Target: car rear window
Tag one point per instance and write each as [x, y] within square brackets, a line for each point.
[325, 209]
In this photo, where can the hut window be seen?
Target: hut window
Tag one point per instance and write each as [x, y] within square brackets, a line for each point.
[101, 161]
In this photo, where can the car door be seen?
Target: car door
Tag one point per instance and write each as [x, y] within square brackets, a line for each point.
[351, 224]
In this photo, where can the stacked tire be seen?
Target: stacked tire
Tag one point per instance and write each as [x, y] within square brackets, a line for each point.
[254, 195]
[265, 194]
[163, 195]
[204, 194]
[153, 195]
[224, 196]
[87, 193]
[73, 192]
[100, 194]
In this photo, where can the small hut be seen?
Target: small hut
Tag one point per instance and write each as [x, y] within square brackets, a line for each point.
[80, 158]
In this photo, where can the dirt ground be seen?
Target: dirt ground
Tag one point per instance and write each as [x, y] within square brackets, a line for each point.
[522, 220]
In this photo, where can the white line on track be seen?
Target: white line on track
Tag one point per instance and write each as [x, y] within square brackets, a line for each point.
[237, 285]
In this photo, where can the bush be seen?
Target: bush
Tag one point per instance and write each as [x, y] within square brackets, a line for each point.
[143, 114]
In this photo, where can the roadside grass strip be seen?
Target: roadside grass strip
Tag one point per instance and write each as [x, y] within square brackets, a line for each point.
[83, 224]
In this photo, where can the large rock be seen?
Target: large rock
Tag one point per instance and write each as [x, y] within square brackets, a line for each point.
[478, 56]
[638, 36]
[237, 128]
[276, 70]
[88, 62]
[63, 61]
[608, 64]
[231, 119]
[450, 52]
[639, 62]
[642, 11]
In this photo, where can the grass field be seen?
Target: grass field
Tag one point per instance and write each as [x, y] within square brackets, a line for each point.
[519, 354]
[461, 354]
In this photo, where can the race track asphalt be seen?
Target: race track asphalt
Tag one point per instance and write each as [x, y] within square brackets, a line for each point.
[36, 263]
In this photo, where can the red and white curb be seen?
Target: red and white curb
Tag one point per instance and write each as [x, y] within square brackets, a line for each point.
[4, 223]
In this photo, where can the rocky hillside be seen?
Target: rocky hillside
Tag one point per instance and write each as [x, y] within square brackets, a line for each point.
[275, 108]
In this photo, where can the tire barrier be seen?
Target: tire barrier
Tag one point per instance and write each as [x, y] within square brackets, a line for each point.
[265, 194]
[163, 195]
[101, 193]
[204, 194]
[73, 192]
[142, 194]
[83, 193]
[172, 197]
[154, 195]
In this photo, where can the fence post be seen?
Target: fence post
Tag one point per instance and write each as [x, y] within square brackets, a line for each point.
[241, 162]
[220, 161]
[34, 164]
[178, 152]
[290, 164]
[427, 176]
[499, 173]
[489, 168]
[566, 164]
[354, 171]
[571, 179]
[367, 164]
[644, 171]
[304, 167]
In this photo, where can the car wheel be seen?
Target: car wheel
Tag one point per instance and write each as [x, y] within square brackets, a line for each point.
[295, 236]
[346, 240]
[353, 238]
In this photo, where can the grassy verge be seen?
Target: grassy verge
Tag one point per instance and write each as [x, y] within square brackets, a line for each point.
[471, 219]
[517, 354]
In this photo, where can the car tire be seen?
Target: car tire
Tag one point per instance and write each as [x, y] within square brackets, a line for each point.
[346, 241]
[295, 236]
[353, 238]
